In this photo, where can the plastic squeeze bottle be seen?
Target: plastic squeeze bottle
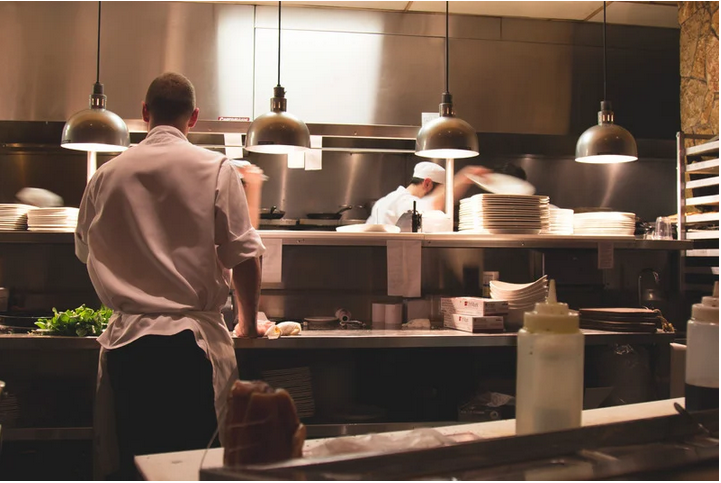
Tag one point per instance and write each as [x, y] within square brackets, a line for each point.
[702, 354]
[549, 380]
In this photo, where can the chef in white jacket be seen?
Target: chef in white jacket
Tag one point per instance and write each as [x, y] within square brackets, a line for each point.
[426, 189]
[160, 228]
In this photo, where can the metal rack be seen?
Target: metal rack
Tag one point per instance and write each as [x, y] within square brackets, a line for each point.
[698, 211]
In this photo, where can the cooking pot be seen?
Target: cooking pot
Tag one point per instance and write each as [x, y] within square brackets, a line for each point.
[330, 216]
[272, 213]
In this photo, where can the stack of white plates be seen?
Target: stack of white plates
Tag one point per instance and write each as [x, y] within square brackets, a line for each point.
[609, 223]
[560, 221]
[521, 297]
[61, 219]
[297, 381]
[504, 214]
[14, 216]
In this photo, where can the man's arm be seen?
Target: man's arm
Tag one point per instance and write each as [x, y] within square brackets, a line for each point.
[461, 183]
[253, 179]
[246, 279]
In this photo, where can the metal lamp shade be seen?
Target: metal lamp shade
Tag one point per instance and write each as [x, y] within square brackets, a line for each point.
[277, 132]
[606, 143]
[447, 137]
[95, 129]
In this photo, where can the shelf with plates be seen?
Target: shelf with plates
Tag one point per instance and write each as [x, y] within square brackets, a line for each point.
[430, 240]
[698, 210]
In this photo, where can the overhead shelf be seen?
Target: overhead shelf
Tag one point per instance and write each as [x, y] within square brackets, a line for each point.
[435, 240]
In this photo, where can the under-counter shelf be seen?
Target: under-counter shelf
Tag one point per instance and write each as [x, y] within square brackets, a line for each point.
[436, 240]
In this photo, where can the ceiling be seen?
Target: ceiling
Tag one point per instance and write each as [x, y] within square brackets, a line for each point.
[649, 14]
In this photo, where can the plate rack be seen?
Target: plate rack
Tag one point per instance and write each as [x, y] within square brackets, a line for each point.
[698, 211]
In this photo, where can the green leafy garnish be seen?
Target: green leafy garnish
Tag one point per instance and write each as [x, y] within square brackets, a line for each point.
[79, 322]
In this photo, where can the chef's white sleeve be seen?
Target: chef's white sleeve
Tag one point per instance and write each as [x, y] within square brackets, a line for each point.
[235, 237]
[86, 213]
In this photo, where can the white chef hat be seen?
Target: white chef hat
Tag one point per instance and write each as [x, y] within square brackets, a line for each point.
[426, 169]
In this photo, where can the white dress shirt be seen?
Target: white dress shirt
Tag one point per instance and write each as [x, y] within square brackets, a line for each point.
[159, 227]
[389, 209]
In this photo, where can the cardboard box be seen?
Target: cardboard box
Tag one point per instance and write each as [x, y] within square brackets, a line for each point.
[474, 306]
[473, 324]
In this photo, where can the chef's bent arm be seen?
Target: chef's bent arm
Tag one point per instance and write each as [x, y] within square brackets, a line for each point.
[246, 279]
[86, 213]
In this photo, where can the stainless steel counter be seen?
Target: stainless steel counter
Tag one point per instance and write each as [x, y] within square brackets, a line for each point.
[348, 339]
[431, 240]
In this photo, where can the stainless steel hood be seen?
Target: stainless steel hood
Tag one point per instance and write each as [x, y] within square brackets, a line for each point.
[508, 75]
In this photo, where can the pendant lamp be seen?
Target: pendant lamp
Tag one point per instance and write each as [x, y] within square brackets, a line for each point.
[606, 143]
[277, 132]
[447, 137]
[96, 129]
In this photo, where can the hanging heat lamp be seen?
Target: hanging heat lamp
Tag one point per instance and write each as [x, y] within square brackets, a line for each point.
[96, 128]
[606, 143]
[447, 137]
[277, 132]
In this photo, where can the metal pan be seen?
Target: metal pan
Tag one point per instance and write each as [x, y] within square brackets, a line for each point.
[272, 213]
[329, 216]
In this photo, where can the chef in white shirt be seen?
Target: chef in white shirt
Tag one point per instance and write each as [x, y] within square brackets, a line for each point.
[160, 227]
[426, 189]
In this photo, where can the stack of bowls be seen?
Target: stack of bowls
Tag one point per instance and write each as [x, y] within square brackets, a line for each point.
[521, 297]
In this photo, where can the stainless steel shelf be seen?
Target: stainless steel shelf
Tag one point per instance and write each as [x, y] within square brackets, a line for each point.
[346, 339]
[438, 240]
[380, 339]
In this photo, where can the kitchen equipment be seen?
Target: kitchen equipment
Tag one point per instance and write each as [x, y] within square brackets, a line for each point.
[272, 213]
[549, 380]
[330, 216]
[320, 323]
[620, 319]
[504, 214]
[702, 381]
[19, 324]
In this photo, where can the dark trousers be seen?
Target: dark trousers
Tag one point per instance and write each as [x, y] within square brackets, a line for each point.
[163, 393]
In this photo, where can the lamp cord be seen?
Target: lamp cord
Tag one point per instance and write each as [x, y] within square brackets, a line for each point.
[279, 9]
[97, 75]
[604, 51]
[447, 54]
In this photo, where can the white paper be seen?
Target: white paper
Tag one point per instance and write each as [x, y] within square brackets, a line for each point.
[234, 143]
[296, 159]
[273, 261]
[605, 255]
[404, 268]
[313, 160]
[316, 142]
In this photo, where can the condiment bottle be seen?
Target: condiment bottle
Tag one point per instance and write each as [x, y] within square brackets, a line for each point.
[702, 354]
[549, 371]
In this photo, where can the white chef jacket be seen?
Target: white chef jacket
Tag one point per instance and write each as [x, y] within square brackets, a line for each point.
[389, 209]
[159, 227]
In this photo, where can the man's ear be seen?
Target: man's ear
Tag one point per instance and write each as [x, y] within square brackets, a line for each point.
[428, 185]
[193, 118]
[146, 113]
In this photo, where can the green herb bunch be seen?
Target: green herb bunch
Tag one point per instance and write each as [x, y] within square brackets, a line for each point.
[78, 322]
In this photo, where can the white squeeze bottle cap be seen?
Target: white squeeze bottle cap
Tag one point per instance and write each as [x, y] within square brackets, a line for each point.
[707, 310]
[551, 315]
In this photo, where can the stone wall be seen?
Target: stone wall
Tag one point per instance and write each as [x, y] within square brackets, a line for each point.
[699, 51]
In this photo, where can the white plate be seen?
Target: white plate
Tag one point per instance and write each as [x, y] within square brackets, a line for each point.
[368, 228]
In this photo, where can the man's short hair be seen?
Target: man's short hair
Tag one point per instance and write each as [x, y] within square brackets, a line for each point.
[170, 98]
